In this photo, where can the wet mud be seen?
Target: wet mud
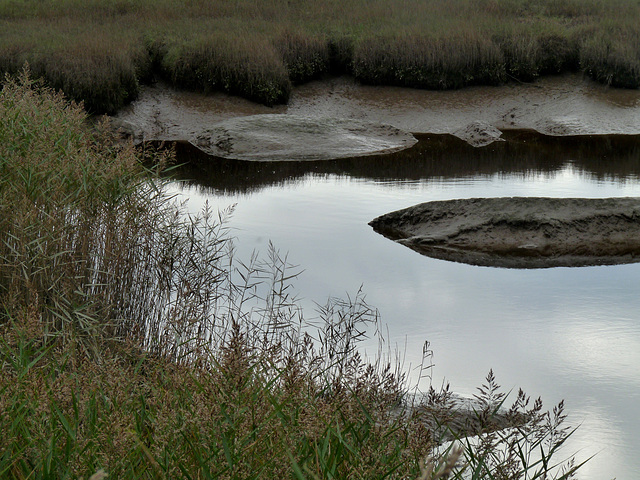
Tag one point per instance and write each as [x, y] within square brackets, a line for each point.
[564, 105]
[273, 138]
[332, 123]
[520, 232]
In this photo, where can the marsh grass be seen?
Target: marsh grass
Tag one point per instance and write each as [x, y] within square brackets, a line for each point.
[427, 62]
[98, 66]
[531, 52]
[612, 56]
[246, 65]
[134, 344]
[101, 51]
[306, 57]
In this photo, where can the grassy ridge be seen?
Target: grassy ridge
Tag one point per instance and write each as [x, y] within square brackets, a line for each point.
[99, 51]
[134, 344]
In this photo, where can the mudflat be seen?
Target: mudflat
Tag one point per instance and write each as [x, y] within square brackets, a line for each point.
[564, 105]
[272, 138]
[520, 232]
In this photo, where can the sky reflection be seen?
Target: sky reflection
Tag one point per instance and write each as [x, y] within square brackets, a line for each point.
[571, 333]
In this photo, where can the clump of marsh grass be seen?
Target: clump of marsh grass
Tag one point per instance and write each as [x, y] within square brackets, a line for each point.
[245, 65]
[305, 57]
[99, 68]
[612, 57]
[529, 53]
[134, 343]
[421, 61]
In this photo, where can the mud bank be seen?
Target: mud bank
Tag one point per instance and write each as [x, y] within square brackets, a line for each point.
[274, 138]
[519, 232]
[564, 105]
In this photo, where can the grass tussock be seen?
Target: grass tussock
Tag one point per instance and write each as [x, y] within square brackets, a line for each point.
[305, 57]
[100, 51]
[246, 66]
[529, 53]
[95, 67]
[613, 56]
[427, 62]
[134, 344]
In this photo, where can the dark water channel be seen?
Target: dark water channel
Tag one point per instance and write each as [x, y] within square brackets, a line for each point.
[562, 333]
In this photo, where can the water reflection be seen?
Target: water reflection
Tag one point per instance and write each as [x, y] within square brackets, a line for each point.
[524, 153]
[561, 333]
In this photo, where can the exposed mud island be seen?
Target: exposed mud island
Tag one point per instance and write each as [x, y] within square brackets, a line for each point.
[520, 232]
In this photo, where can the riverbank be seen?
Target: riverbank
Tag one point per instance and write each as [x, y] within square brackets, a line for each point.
[129, 329]
[102, 52]
[568, 105]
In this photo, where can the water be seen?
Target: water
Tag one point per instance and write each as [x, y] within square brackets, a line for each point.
[561, 333]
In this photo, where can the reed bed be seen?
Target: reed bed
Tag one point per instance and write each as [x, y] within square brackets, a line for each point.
[134, 344]
[101, 51]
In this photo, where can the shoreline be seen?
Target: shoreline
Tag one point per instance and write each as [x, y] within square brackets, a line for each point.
[564, 105]
[103, 53]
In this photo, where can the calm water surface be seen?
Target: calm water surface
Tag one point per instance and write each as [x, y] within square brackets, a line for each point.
[561, 333]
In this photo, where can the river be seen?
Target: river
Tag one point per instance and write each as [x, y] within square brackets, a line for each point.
[560, 333]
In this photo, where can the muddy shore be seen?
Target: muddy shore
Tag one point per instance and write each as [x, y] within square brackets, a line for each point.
[518, 232]
[563, 105]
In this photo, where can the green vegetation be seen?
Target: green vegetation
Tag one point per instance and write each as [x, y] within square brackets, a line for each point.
[99, 51]
[134, 344]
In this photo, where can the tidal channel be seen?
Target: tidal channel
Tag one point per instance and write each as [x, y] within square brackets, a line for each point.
[561, 333]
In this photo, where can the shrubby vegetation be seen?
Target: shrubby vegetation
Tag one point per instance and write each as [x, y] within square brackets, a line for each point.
[99, 51]
[134, 344]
